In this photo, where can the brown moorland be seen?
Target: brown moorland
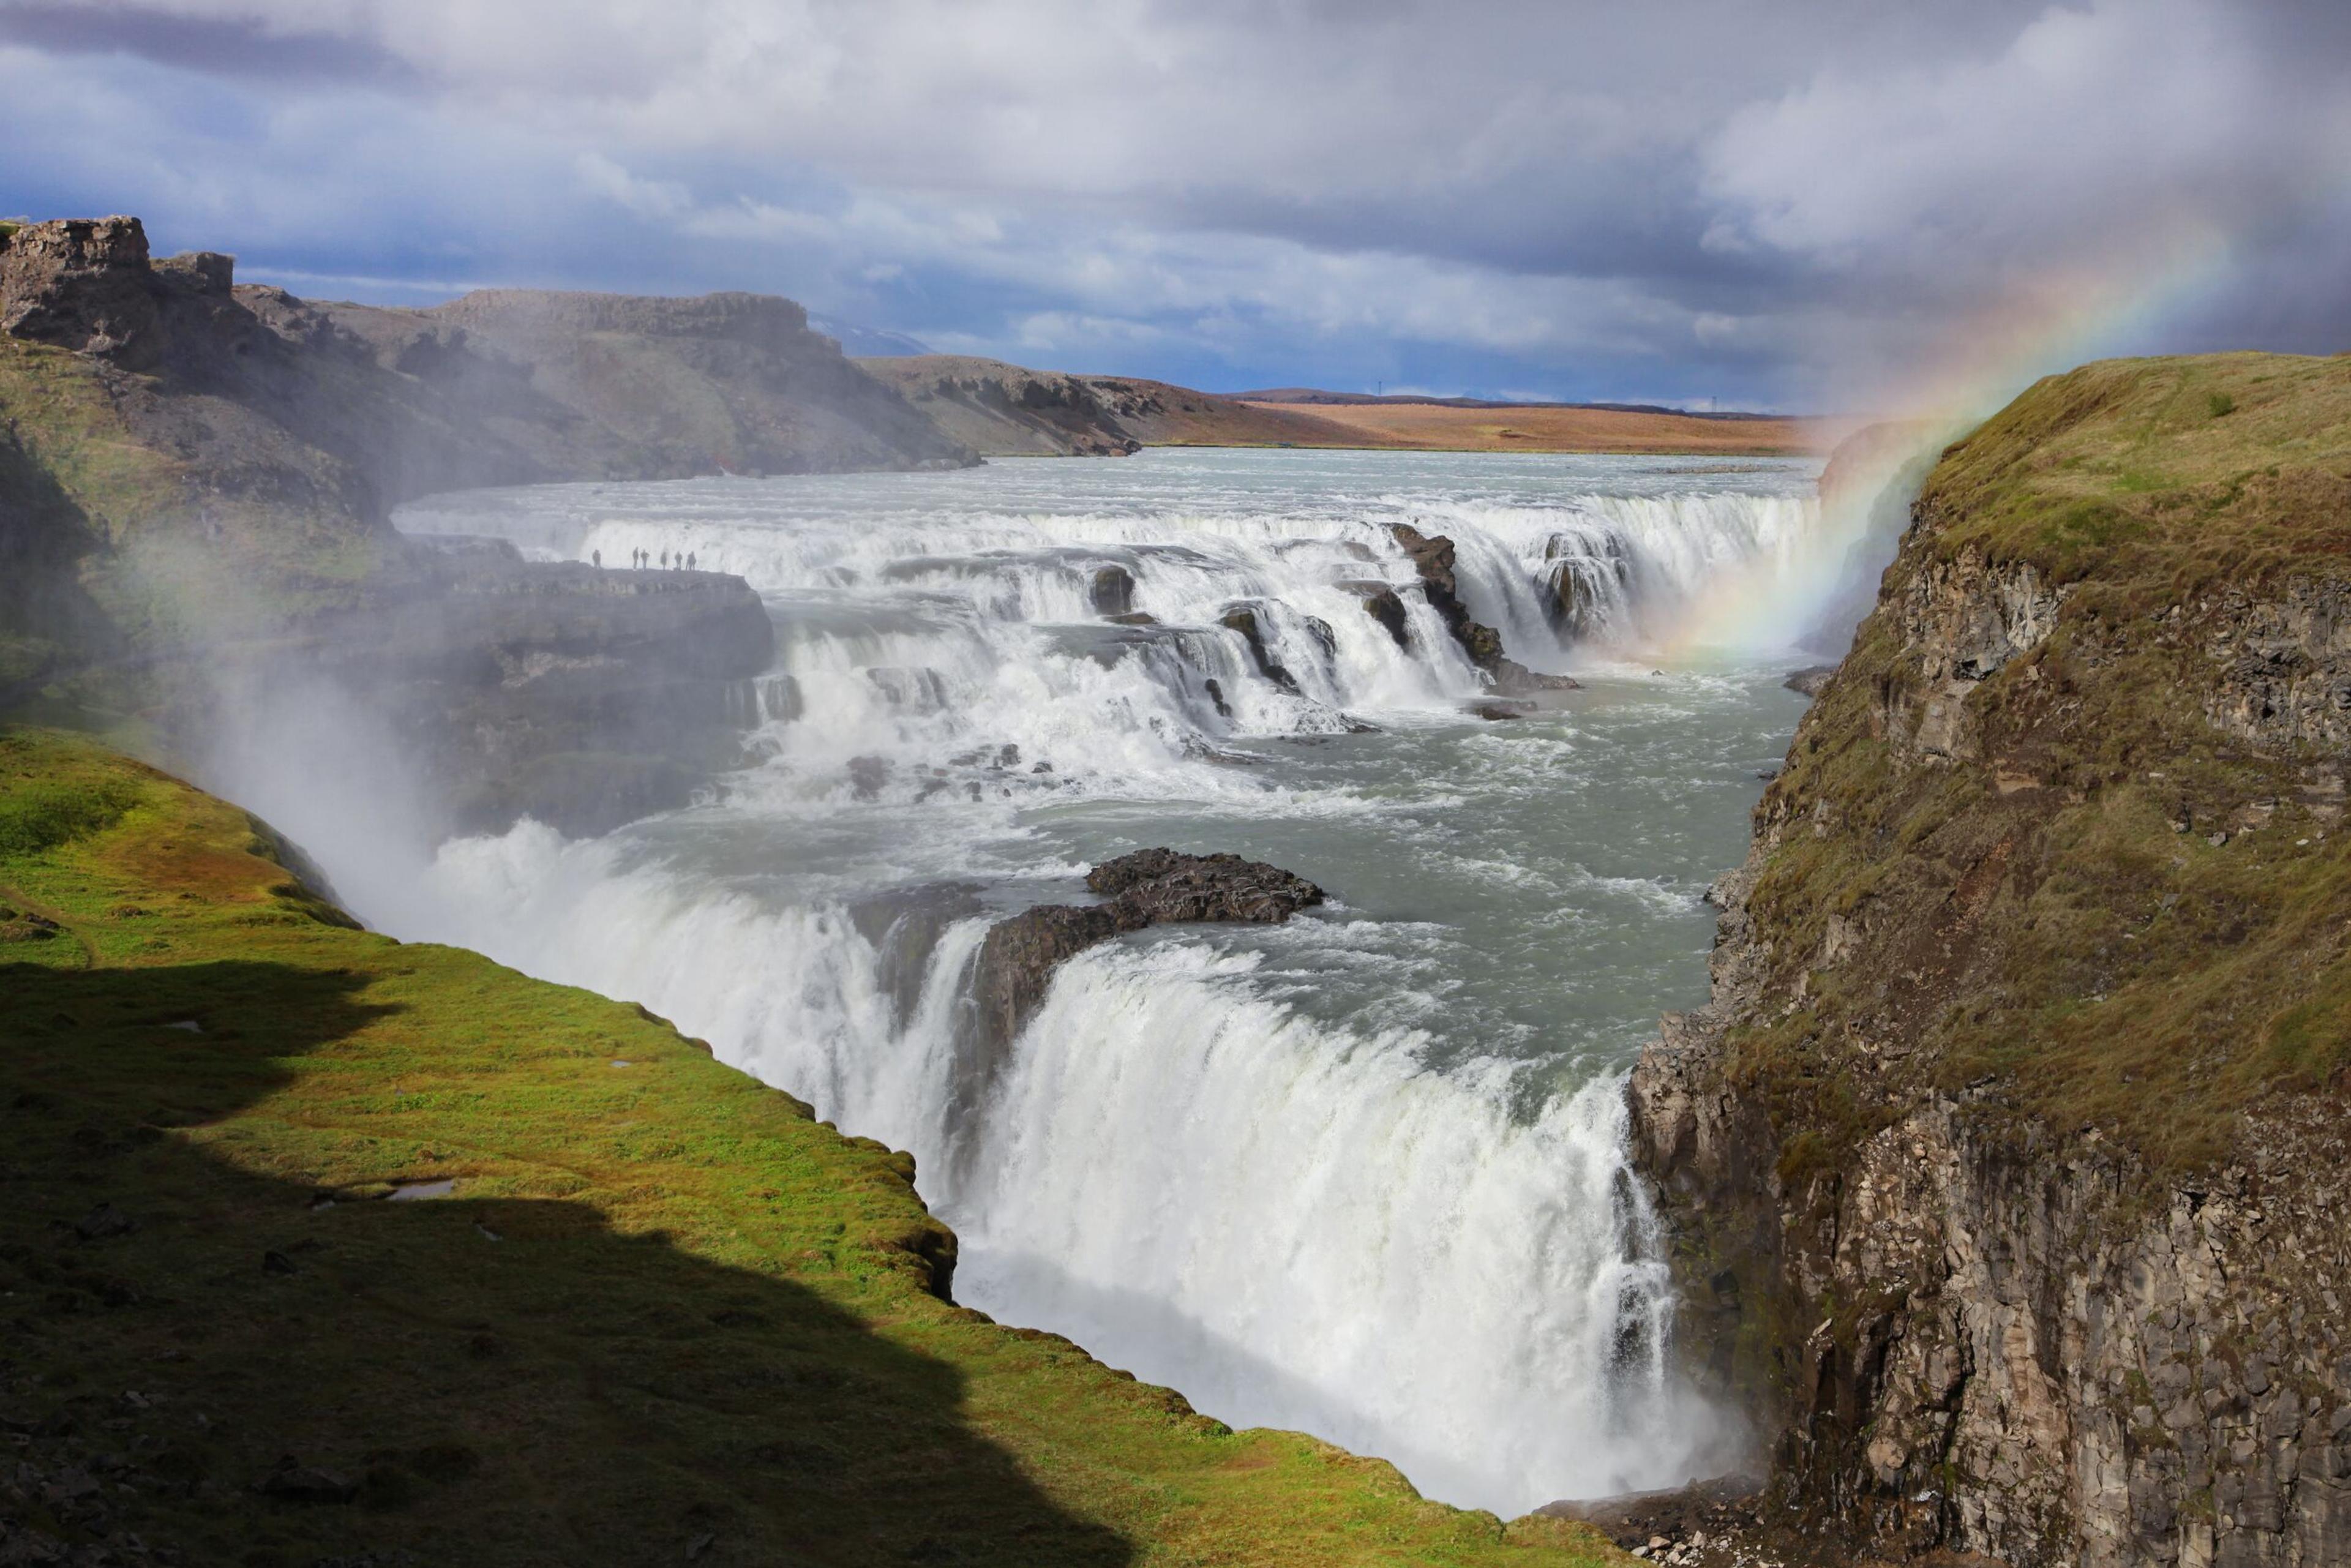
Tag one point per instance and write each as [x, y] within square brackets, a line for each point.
[1542, 427]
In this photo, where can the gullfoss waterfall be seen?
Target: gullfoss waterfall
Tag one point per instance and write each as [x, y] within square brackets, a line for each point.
[1361, 1174]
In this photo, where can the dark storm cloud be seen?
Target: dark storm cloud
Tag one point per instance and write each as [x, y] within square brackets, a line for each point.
[1687, 199]
[227, 46]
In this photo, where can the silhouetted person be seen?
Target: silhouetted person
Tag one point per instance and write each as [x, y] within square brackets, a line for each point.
[597, 557]
[689, 561]
[664, 560]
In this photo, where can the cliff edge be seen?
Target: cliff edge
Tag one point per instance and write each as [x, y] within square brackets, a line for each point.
[1009, 411]
[2006, 1160]
[196, 479]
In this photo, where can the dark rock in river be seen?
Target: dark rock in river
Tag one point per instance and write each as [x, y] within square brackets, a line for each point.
[1383, 604]
[1114, 592]
[1432, 555]
[1242, 619]
[1514, 679]
[1149, 888]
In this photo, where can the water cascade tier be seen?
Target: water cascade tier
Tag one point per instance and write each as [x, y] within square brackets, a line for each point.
[1360, 1172]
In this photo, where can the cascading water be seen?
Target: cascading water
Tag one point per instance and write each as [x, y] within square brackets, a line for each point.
[1363, 1174]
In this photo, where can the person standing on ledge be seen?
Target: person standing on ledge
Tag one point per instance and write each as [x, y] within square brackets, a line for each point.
[597, 557]
[689, 560]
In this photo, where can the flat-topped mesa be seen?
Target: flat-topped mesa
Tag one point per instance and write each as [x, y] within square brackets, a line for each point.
[1432, 557]
[1149, 888]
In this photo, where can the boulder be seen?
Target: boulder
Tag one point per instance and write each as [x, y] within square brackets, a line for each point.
[1114, 592]
[1149, 888]
[1242, 618]
[1384, 605]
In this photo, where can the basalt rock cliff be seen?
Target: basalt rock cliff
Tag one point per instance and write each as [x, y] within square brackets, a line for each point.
[2006, 1164]
[196, 479]
[1009, 411]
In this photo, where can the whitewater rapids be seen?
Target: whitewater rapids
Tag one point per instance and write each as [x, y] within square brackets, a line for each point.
[1363, 1174]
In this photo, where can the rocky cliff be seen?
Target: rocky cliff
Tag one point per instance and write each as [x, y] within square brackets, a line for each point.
[196, 475]
[1009, 411]
[2005, 1161]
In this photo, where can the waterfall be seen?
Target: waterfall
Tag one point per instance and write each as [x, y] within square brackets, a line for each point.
[1314, 1177]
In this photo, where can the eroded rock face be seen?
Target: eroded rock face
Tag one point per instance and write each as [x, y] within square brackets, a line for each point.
[1382, 604]
[2284, 665]
[1149, 888]
[1432, 558]
[81, 284]
[580, 698]
[1967, 1328]
[1968, 620]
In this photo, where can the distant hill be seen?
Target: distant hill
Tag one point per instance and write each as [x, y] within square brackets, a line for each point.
[1316, 395]
[1461, 426]
[1005, 410]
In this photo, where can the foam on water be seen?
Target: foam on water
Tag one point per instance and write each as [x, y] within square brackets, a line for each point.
[1361, 1175]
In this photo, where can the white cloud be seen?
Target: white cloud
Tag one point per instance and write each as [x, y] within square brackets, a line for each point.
[1694, 189]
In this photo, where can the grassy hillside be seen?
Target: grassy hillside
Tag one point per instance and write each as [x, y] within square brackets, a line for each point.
[2122, 901]
[654, 1313]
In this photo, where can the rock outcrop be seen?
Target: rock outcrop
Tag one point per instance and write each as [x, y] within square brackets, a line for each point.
[580, 698]
[1005, 411]
[254, 444]
[82, 285]
[1009, 411]
[2004, 1160]
[1432, 558]
[1149, 888]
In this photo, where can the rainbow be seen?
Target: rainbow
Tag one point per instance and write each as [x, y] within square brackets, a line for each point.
[2045, 323]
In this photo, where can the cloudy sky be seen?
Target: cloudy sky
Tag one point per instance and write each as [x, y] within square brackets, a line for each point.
[1826, 205]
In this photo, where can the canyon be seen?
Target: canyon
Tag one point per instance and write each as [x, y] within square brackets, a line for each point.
[1994, 1178]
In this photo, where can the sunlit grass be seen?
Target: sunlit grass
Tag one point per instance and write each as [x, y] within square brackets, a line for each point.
[661, 1303]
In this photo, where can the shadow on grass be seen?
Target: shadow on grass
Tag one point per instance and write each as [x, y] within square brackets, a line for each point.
[494, 1381]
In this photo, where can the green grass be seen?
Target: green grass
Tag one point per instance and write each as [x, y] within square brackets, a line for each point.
[661, 1303]
[2037, 930]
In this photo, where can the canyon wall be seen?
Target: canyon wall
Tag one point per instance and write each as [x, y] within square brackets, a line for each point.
[196, 479]
[1009, 411]
[2004, 1162]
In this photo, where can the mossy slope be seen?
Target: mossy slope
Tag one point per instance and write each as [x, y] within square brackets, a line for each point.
[662, 1316]
[2104, 909]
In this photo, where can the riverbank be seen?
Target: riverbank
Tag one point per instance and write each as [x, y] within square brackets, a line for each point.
[318, 1243]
